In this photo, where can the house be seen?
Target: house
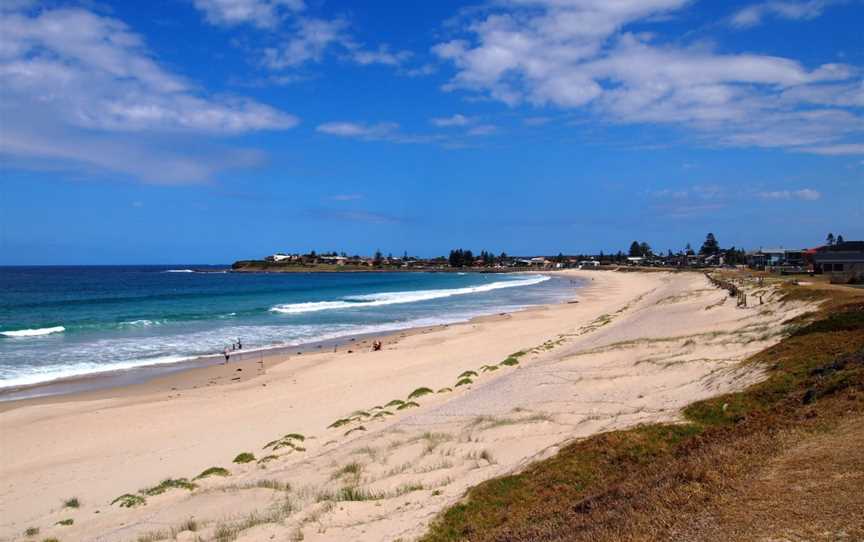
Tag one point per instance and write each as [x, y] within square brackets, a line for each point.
[843, 262]
[776, 259]
[333, 260]
[635, 260]
[278, 257]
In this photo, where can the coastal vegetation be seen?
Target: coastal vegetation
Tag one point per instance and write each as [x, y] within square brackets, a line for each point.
[245, 457]
[71, 503]
[656, 481]
[129, 500]
[212, 471]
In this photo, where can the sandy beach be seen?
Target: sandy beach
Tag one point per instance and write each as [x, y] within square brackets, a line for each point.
[352, 455]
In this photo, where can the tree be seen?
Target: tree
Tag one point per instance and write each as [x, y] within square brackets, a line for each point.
[635, 249]
[830, 239]
[710, 246]
[376, 260]
[644, 249]
[688, 250]
[838, 240]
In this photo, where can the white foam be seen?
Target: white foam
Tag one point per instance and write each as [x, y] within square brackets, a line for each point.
[141, 323]
[394, 298]
[179, 271]
[48, 373]
[33, 332]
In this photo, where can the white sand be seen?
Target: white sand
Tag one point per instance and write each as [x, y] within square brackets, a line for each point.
[636, 348]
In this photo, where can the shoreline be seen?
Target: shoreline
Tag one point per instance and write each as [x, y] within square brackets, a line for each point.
[111, 379]
[635, 349]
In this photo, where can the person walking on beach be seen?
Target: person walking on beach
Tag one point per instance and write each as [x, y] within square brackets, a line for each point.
[227, 355]
[239, 344]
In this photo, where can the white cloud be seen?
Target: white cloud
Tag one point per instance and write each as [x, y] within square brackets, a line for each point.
[755, 14]
[578, 55]
[382, 56]
[71, 77]
[454, 120]
[261, 13]
[806, 194]
[482, 129]
[841, 149]
[310, 39]
[357, 130]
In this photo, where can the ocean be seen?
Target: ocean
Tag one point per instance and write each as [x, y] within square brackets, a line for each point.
[58, 322]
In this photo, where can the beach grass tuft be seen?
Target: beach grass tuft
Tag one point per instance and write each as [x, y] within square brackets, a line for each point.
[444, 390]
[382, 414]
[72, 503]
[409, 404]
[467, 374]
[52, 539]
[488, 368]
[510, 361]
[351, 470]
[267, 459]
[127, 500]
[244, 457]
[169, 483]
[338, 423]
[31, 531]
[65, 522]
[394, 402]
[419, 392]
[464, 382]
[213, 471]
[359, 428]
[294, 436]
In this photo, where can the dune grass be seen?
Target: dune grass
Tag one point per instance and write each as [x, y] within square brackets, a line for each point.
[65, 522]
[467, 374]
[488, 368]
[464, 382]
[72, 503]
[169, 483]
[358, 428]
[213, 471]
[444, 390]
[394, 403]
[643, 483]
[509, 362]
[419, 392]
[245, 457]
[409, 404]
[31, 531]
[128, 500]
[267, 459]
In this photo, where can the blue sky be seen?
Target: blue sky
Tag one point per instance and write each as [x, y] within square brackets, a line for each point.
[204, 131]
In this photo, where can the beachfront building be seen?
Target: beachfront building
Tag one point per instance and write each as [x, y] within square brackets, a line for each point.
[280, 257]
[782, 260]
[333, 260]
[842, 262]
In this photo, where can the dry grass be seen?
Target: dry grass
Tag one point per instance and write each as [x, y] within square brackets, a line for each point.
[680, 481]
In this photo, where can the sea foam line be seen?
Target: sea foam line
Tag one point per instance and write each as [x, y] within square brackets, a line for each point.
[394, 298]
[33, 332]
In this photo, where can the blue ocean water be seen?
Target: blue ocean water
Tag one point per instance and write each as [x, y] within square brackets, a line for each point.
[67, 321]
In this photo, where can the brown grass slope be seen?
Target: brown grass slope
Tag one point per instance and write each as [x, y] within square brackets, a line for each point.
[782, 460]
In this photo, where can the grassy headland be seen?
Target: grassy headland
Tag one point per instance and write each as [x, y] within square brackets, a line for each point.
[722, 474]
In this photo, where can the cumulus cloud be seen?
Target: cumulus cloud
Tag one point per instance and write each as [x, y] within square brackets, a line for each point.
[261, 13]
[755, 14]
[580, 55]
[454, 120]
[358, 130]
[70, 77]
[806, 194]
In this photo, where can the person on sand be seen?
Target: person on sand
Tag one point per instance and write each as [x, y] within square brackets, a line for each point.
[376, 346]
[227, 354]
[239, 344]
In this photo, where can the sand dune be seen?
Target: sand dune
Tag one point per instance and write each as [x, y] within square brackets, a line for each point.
[635, 348]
